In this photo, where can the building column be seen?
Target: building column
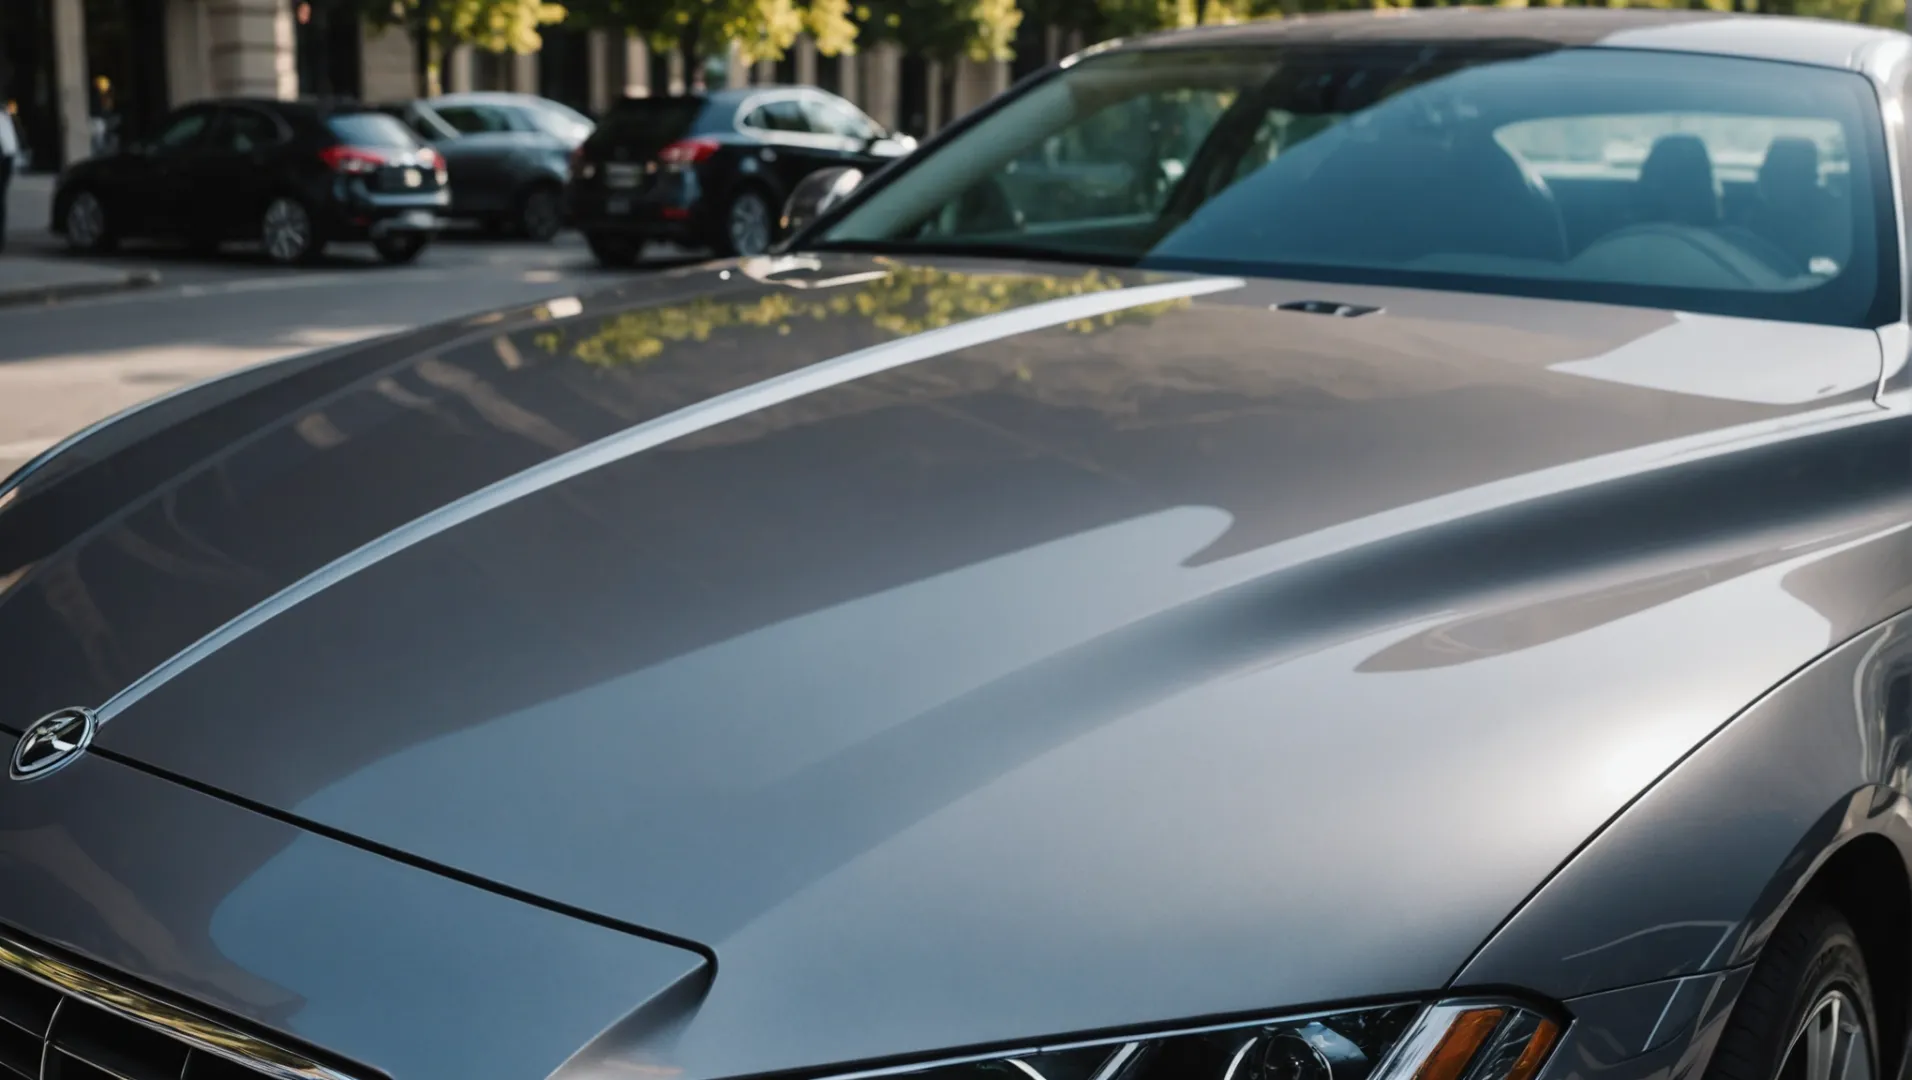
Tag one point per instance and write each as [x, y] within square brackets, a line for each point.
[69, 76]
[388, 68]
[597, 55]
[736, 72]
[188, 39]
[880, 69]
[252, 51]
[678, 77]
[806, 57]
[457, 78]
[637, 68]
[933, 118]
[524, 72]
[847, 86]
[765, 72]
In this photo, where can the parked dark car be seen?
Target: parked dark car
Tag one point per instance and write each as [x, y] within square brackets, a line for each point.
[508, 155]
[294, 175]
[712, 169]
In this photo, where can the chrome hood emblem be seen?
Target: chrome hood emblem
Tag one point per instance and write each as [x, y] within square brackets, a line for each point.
[53, 741]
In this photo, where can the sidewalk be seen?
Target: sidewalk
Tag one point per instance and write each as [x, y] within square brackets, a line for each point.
[43, 277]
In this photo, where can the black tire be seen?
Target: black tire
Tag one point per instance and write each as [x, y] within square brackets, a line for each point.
[612, 250]
[1812, 959]
[289, 232]
[723, 233]
[400, 248]
[541, 213]
[92, 240]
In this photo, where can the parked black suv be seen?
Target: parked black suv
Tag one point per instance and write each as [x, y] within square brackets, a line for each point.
[712, 169]
[294, 175]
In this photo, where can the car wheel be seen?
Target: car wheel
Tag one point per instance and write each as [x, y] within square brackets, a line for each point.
[748, 226]
[287, 232]
[540, 214]
[615, 251]
[1806, 1012]
[87, 228]
[398, 248]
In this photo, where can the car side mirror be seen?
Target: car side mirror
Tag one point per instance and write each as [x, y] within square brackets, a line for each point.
[817, 193]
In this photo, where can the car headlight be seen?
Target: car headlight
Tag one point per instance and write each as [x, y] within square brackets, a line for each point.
[1455, 1040]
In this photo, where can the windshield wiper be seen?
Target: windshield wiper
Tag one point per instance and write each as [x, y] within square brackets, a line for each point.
[979, 251]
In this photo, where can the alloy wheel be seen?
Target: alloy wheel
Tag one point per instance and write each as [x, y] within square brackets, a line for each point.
[749, 224]
[85, 222]
[286, 230]
[1832, 1043]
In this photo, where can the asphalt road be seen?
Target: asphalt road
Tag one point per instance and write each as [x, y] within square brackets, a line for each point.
[64, 366]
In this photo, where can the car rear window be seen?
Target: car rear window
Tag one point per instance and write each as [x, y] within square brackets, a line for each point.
[649, 124]
[370, 129]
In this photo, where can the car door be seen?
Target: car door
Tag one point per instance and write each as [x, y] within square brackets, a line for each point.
[479, 159]
[231, 172]
[150, 189]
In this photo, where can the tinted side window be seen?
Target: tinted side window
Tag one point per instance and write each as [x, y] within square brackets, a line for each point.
[183, 128]
[474, 119]
[783, 115]
[833, 119]
[241, 131]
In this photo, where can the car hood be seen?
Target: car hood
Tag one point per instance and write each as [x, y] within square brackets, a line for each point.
[969, 652]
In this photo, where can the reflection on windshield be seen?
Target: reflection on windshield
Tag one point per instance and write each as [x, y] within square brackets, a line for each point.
[906, 300]
[1697, 183]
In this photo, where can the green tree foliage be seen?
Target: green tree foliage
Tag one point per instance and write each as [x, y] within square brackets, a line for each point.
[763, 29]
[436, 26]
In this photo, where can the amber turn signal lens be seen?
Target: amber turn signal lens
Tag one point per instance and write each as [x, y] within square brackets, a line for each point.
[1458, 1047]
[1536, 1051]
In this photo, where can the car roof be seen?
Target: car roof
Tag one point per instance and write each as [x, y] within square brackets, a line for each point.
[495, 97]
[1820, 42]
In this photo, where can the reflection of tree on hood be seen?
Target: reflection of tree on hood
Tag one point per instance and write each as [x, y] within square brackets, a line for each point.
[906, 300]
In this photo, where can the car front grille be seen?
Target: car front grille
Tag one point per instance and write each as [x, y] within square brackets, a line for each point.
[59, 1022]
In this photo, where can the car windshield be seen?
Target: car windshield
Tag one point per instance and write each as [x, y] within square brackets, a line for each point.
[1700, 183]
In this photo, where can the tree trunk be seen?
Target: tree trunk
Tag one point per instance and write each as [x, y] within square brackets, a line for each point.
[1201, 12]
[421, 31]
[946, 90]
[689, 42]
[1868, 11]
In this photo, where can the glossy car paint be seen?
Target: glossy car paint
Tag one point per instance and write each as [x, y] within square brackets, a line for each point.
[1186, 659]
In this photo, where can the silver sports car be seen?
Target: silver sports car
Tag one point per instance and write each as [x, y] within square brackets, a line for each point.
[1405, 577]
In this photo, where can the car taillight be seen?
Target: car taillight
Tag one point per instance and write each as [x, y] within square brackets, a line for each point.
[434, 161]
[351, 160]
[687, 151]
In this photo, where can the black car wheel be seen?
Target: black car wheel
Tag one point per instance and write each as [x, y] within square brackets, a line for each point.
[287, 232]
[87, 228]
[611, 250]
[400, 247]
[1806, 1012]
[748, 226]
[540, 214]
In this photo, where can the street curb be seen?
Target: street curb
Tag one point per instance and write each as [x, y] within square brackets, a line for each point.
[54, 294]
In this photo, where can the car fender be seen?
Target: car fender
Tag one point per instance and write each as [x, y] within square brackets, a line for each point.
[1692, 876]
